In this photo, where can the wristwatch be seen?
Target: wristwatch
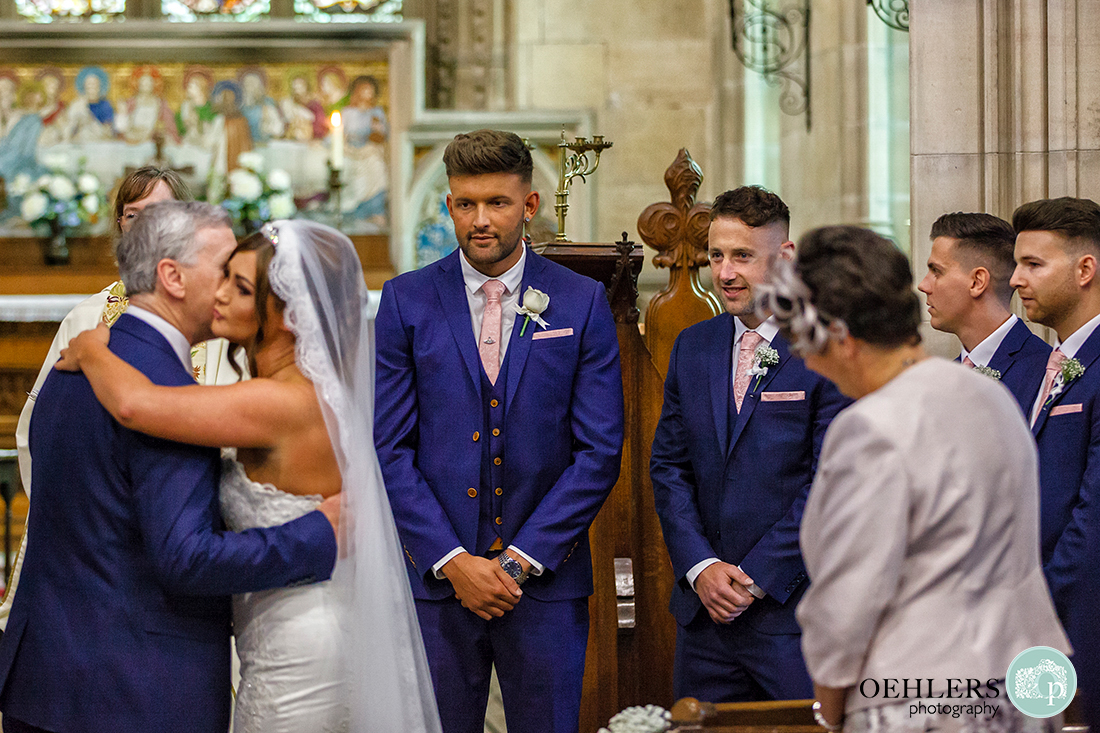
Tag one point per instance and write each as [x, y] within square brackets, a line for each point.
[820, 719]
[512, 567]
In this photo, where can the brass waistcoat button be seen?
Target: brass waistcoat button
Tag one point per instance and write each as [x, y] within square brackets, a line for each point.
[496, 461]
[496, 432]
[493, 403]
[476, 436]
[472, 492]
[499, 491]
[500, 521]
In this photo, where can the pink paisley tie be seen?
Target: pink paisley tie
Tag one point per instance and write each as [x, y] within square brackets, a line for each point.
[749, 341]
[967, 363]
[1054, 365]
[489, 343]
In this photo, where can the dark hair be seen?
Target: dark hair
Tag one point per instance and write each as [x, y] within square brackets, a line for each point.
[1078, 220]
[985, 241]
[360, 81]
[754, 205]
[264, 250]
[141, 183]
[862, 279]
[488, 151]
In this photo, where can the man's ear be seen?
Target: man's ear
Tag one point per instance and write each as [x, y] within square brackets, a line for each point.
[786, 250]
[979, 281]
[450, 205]
[531, 205]
[1086, 270]
[170, 277]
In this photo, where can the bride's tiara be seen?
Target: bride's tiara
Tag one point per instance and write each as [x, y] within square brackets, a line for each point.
[271, 231]
[786, 297]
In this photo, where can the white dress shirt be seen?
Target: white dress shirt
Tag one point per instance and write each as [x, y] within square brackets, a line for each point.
[1070, 348]
[475, 298]
[983, 353]
[767, 331]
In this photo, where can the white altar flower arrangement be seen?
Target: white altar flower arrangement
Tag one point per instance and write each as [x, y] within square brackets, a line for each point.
[648, 719]
[58, 201]
[255, 197]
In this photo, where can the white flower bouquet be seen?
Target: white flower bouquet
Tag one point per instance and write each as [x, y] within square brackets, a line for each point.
[57, 200]
[255, 198]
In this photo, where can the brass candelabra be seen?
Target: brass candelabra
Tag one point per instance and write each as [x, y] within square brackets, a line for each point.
[573, 162]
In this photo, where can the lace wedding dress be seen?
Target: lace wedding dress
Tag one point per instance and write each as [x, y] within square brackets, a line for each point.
[290, 640]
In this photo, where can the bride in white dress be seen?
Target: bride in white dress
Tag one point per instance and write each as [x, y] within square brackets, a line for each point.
[345, 654]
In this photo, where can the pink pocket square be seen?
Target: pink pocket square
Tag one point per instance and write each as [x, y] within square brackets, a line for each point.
[557, 333]
[1065, 409]
[782, 396]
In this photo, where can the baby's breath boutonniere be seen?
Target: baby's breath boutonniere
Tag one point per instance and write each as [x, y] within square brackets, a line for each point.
[1071, 370]
[988, 371]
[534, 303]
[764, 357]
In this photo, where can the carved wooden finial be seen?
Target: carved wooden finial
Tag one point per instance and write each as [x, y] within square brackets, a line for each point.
[678, 231]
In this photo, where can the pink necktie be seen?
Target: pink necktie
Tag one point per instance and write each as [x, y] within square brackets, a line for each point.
[1054, 365]
[489, 343]
[749, 341]
[967, 363]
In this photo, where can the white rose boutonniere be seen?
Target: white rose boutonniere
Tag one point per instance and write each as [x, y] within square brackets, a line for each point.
[988, 371]
[534, 303]
[764, 357]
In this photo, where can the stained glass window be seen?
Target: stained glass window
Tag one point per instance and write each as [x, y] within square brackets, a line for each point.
[191, 10]
[349, 10]
[44, 11]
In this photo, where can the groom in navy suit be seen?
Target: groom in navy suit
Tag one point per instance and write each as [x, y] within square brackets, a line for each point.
[122, 620]
[499, 427]
[1058, 280]
[968, 293]
[733, 458]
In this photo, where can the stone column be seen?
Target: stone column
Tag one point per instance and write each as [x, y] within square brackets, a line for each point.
[1003, 110]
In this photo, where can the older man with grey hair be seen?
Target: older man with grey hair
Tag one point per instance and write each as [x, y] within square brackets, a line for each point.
[122, 619]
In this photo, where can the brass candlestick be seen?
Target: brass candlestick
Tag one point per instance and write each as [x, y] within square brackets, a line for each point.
[334, 187]
[575, 165]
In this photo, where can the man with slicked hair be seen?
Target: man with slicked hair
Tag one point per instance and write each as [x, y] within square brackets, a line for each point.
[733, 459]
[968, 294]
[499, 428]
[1058, 280]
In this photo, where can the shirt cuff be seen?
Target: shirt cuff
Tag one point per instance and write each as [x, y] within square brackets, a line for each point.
[697, 568]
[446, 559]
[756, 590]
[536, 566]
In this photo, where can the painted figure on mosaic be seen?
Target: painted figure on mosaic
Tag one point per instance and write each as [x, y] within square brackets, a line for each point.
[333, 85]
[366, 131]
[19, 130]
[91, 116]
[146, 113]
[53, 106]
[233, 131]
[196, 115]
[304, 114]
[265, 121]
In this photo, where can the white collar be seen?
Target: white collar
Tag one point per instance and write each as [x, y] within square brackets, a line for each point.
[1071, 345]
[984, 352]
[767, 330]
[174, 336]
[512, 277]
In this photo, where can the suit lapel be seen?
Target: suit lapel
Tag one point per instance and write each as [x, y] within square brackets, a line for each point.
[451, 289]
[1013, 341]
[721, 378]
[520, 347]
[748, 406]
[1086, 355]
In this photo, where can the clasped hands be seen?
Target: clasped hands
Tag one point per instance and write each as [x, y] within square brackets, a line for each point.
[482, 585]
[723, 589]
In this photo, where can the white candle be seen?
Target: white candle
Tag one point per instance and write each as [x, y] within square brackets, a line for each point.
[337, 142]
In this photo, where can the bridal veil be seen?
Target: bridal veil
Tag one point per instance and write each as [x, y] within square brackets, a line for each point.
[317, 273]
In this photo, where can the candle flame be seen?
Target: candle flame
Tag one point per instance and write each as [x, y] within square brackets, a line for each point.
[335, 119]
